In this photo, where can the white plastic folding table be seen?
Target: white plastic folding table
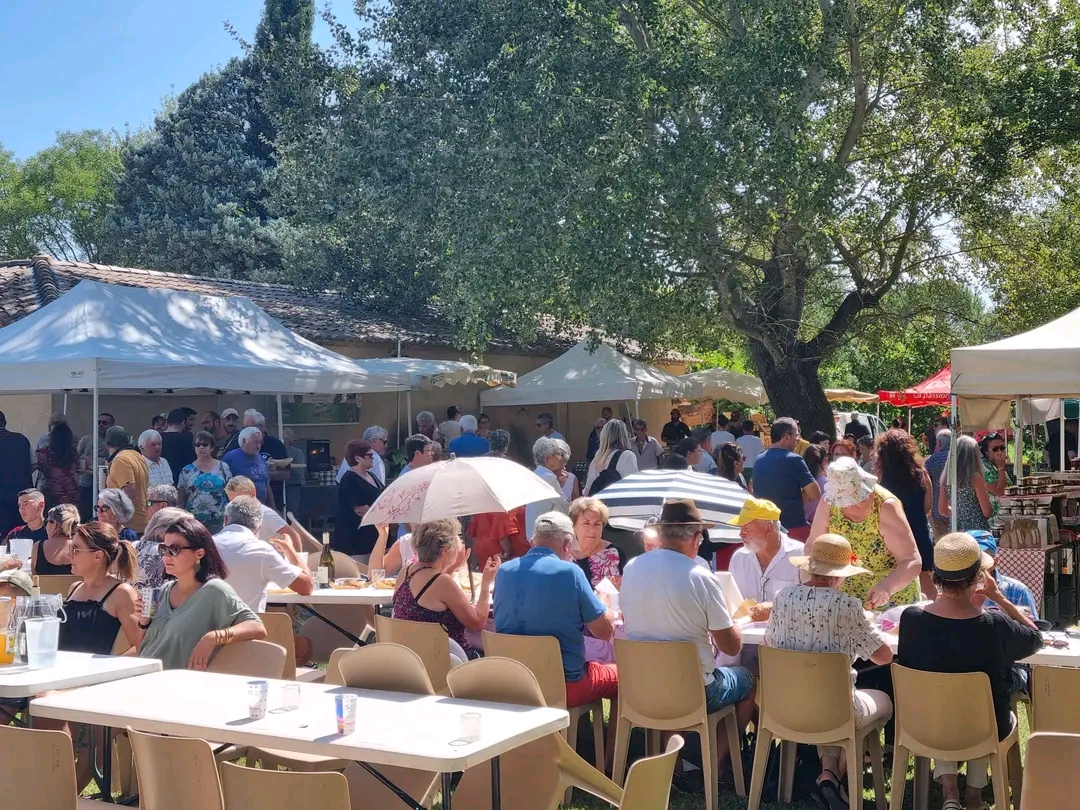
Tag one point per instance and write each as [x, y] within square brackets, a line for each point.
[392, 728]
[333, 596]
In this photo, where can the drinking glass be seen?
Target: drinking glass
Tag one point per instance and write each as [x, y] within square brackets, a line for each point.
[42, 639]
[470, 727]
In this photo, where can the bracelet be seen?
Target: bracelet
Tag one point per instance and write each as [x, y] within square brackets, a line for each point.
[144, 626]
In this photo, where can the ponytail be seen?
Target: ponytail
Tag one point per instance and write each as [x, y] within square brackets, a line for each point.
[126, 563]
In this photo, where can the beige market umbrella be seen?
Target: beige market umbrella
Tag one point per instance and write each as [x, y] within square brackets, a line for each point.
[849, 395]
[460, 486]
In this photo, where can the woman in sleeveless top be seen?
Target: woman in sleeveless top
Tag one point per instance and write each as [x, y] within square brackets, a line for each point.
[53, 555]
[973, 505]
[614, 440]
[873, 521]
[202, 485]
[426, 592]
[900, 471]
[100, 606]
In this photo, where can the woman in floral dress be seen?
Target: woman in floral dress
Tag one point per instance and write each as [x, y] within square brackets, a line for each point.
[202, 484]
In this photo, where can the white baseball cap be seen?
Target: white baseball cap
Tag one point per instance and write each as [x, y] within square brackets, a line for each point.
[229, 412]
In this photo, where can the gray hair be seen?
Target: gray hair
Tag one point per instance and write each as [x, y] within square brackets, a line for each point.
[287, 435]
[247, 433]
[674, 533]
[256, 417]
[375, 432]
[944, 439]
[546, 447]
[244, 511]
[161, 521]
[554, 537]
[425, 418]
[499, 440]
[468, 424]
[968, 462]
[432, 538]
[164, 492]
[120, 504]
[148, 435]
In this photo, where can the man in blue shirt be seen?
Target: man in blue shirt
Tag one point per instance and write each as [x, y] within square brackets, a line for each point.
[545, 594]
[247, 461]
[781, 476]
[468, 444]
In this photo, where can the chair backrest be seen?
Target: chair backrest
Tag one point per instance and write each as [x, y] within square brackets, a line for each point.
[252, 659]
[500, 680]
[540, 654]
[789, 678]
[57, 583]
[1051, 778]
[732, 595]
[175, 773]
[426, 639]
[385, 667]
[258, 789]
[279, 631]
[121, 645]
[344, 565]
[1055, 699]
[946, 712]
[648, 784]
[307, 539]
[37, 770]
[660, 681]
[333, 670]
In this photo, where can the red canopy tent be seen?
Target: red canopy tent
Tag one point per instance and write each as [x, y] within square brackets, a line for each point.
[932, 391]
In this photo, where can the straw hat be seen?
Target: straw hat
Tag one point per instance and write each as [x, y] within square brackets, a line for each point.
[847, 484]
[681, 512]
[830, 556]
[957, 556]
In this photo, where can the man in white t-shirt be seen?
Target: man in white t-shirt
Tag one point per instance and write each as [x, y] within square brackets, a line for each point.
[667, 596]
[273, 525]
[751, 446]
[762, 567]
[253, 564]
[722, 435]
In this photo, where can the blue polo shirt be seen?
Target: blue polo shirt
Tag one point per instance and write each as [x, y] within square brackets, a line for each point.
[779, 476]
[469, 445]
[541, 595]
[253, 467]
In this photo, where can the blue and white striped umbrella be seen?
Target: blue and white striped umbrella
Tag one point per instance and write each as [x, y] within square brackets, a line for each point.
[640, 496]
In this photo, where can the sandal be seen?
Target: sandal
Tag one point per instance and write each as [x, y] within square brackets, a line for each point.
[952, 804]
[827, 794]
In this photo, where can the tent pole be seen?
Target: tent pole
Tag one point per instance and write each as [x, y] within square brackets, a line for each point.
[408, 409]
[637, 408]
[1061, 433]
[94, 485]
[952, 466]
[909, 418]
[1018, 462]
[281, 435]
[65, 404]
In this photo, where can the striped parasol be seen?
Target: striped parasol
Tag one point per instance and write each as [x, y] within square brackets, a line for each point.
[638, 497]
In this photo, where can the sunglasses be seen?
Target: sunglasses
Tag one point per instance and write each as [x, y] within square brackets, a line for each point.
[165, 550]
[202, 444]
[366, 455]
[101, 507]
[151, 503]
[79, 550]
[104, 423]
[997, 449]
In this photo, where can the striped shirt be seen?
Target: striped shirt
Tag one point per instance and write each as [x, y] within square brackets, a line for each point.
[159, 472]
[1016, 592]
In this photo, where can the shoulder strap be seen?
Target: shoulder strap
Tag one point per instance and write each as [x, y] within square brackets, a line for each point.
[110, 593]
[614, 460]
[423, 590]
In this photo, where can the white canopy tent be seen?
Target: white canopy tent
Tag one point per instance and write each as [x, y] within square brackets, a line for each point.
[581, 375]
[719, 383]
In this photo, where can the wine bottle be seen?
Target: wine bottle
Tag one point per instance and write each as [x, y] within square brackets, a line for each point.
[325, 574]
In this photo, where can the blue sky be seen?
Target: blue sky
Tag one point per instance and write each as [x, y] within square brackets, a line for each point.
[107, 64]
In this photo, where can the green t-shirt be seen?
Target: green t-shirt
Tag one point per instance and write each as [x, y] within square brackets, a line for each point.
[173, 634]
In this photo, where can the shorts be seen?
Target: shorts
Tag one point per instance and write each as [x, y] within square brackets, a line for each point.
[599, 681]
[800, 533]
[729, 685]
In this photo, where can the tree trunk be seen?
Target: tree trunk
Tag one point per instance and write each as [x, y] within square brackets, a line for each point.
[794, 389]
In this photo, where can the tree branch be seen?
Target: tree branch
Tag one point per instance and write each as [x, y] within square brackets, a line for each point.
[634, 28]
[858, 79]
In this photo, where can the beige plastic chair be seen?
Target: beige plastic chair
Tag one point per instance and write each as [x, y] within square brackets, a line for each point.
[426, 639]
[648, 784]
[345, 567]
[1052, 779]
[258, 789]
[541, 654]
[279, 631]
[308, 541]
[37, 771]
[175, 773]
[325, 639]
[949, 716]
[805, 697]
[56, 583]
[252, 659]
[533, 776]
[660, 688]
[1055, 700]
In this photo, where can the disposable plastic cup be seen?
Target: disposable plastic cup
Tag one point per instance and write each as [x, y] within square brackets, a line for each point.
[257, 694]
[345, 710]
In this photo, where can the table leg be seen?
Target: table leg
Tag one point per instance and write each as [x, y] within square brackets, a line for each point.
[106, 766]
[447, 790]
[401, 794]
[352, 637]
[496, 786]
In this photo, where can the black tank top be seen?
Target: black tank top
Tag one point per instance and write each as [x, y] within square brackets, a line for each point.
[43, 566]
[89, 628]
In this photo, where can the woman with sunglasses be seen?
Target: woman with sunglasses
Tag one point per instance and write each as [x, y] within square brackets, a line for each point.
[357, 491]
[53, 554]
[202, 484]
[995, 462]
[103, 603]
[199, 611]
[115, 508]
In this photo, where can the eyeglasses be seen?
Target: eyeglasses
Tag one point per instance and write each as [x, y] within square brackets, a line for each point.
[77, 550]
[171, 551]
[102, 507]
[997, 449]
[366, 455]
[202, 444]
[104, 423]
[151, 503]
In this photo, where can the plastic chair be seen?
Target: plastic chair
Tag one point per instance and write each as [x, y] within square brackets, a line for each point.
[383, 667]
[426, 639]
[541, 654]
[37, 771]
[1055, 700]
[660, 688]
[257, 789]
[279, 631]
[56, 583]
[1052, 776]
[252, 659]
[533, 776]
[949, 716]
[648, 784]
[345, 567]
[805, 697]
[310, 544]
[175, 773]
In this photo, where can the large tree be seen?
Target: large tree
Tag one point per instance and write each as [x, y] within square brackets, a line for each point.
[658, 170]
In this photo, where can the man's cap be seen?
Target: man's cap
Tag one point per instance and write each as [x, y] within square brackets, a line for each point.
[553, 522]
[230, 412]
[987, 542]
[681, 512]
[117, 436]
[755, 509]
[18, 578]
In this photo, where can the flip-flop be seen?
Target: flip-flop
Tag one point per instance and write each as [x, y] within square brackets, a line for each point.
[952, 804]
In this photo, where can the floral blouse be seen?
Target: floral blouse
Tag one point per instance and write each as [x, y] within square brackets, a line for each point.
[607, 562]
